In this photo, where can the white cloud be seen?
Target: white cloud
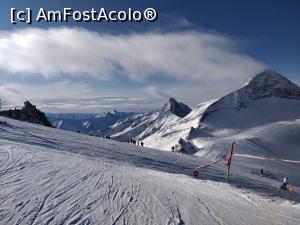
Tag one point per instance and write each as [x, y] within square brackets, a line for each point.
[199, 65]
[80, 52]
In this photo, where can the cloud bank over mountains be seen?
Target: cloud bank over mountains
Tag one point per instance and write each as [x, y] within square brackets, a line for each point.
[185, 57]
[80, 52]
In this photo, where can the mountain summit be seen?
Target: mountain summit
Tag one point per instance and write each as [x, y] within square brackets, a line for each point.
[176, 108]
[269, 83]
[262, 86]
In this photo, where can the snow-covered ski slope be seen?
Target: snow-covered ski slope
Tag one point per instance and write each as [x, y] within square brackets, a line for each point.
[50, 176]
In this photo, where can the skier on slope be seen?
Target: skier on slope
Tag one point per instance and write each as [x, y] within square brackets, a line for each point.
[284, 183]
[261, 172]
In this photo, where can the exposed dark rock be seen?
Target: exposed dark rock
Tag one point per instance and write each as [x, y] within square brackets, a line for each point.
[29, 113]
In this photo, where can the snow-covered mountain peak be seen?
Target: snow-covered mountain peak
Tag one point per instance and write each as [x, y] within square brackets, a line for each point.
[176, 108]
[271, 78]
[267, 75]
[265, 86]
[269, 83]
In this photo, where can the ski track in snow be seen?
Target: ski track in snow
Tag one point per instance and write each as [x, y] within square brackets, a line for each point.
[55, 177]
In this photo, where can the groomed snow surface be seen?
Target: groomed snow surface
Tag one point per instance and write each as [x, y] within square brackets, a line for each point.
[50, 176]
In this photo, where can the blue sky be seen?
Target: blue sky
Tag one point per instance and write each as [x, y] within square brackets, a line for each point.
[195, 51]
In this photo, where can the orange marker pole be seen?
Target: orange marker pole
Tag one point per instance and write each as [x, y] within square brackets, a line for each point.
[229, 159]
[290, 190]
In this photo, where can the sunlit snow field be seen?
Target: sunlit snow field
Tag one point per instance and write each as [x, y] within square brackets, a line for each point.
[49, 176]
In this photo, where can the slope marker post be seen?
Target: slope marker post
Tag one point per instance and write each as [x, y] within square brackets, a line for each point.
[229, 159]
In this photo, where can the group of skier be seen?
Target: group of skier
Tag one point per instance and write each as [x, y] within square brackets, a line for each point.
[131, 141]
[134, 142]
[267, 174]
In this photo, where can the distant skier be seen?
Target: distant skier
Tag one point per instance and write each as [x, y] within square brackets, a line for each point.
[284, 183]
[261, 172]
[182, 150]
[173, 148]
[142, 144]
